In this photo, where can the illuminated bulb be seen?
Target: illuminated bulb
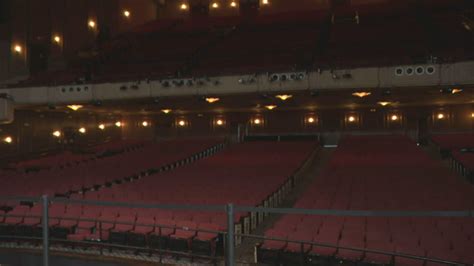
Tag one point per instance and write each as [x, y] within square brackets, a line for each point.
[219, 122]
[257, 121]
[75, 107]
[101, 126]
[57, 39]
[126, 13]
[361, 94]
[145, 124]
[384, 103]
[233, 4]
[284, 97]
[212, 100]
[57, 133]
[270, 107]
[472, 115]
[311, 120]
[440, 116]
[91, 24]
[18, 49]
[182, 123]
[118, 124]
[82, 130]
[394, 118]
[454, 91]
[8, 139]
[215, 5]
[351, 119]
[166, 111]
[183, 6]
[265, 2]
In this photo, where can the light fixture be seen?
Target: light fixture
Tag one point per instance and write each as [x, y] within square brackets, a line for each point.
[82, 130]
[361, 94]
[472, 115]
[18, 49]
[440, 116]
[181, 123]
[91, 24]
[212, 99]
[166, 111]
[384, 103]
[394, 117]
[75, 107]
[233, 4]
[57, 133]
[456, 90]
[351, 119]
[311, 120]
[8, 139]
[257, 121]
[126, 13]
[183, 6]
[101, 126]
[265, 2]
[145, 124]
[57, 39]
[118, 124]
[219, 122]
[270, 107]
[284, 97]
[215, 5]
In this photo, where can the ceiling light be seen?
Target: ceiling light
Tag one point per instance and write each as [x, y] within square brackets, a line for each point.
[265, 2]
[233, 4]
[215, 5]
[101, 126]
[270, 107]
[82, 130]
[126, 13]
[57, 133]
[220, 122]
[456, 90]
[118, 124]
[311, 120]
[257, 121]
[91, 24]
[183, 6]
[57, 39]
[472, 115]
[384, 103]
[284, 97]
[440, 116]
[212, 100]
[75, 107]
[18, 49]
[8, 139]
[166, 111]
[361, 94]
[145, 124]
[394, 117]
[181, 123]
[352, 118]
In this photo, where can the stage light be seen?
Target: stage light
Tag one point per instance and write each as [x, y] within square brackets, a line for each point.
[126, 13]
[75, 107]
[118, 124]
[183, 6]
[233, 4]
[145, 124]
[182, 123]
[351, 119]
[101, 126]
[82, 130]
[219, 122]
[311, 120]
[270, 107]
[284, 97]
[57, 39]
[257, 121]
[361, 94]
[215, 5]
[394, 117]
[57, 133]
[8, 140]
[440, 116]
[384, 103]
[18, 49]
[92, 24]
[166, 111]
[212, 99]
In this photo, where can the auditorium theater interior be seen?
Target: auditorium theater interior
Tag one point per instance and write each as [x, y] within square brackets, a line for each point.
[237, 132]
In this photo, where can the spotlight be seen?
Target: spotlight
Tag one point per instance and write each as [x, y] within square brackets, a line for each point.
[310, 120]
[183, 6]
[265, 2]
[118, 124]
[219, 122]
[215, 5]
[394, 117]
[166, 111]
[57, 134]
[284, 97]
[257, 121]
[361, 94]
[101, 126]
[384, 103]
[270, 107]
[212, 99]
[145, 124]
[440, 116]
[472, 115]
[18, 49]
[182, 123]
[82, 130]
[8, 140]
[57, 39]
[75, 107]
[456, 90]
[92, 24]
[233, 4]
[352, 119]
[126, 13]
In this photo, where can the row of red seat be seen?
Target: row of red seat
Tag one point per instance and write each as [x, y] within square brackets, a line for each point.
[381, 173]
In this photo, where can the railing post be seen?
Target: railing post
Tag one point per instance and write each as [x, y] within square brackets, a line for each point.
[230, 235]
[45, 231]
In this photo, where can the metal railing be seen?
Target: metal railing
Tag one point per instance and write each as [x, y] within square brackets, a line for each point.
[229, 234]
